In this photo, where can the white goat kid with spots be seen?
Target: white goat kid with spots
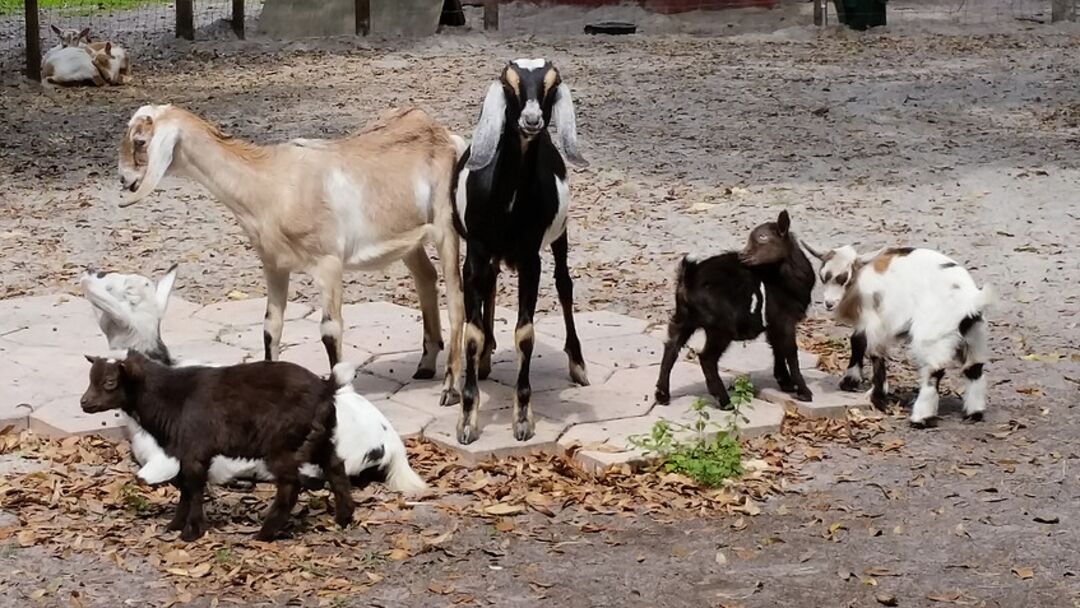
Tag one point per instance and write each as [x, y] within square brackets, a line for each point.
[917, 296]
[322, 206]
[130, 308]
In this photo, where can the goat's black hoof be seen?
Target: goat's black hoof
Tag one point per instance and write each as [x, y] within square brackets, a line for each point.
[849, 384]
[804, 395]
[976, 417]
[191, 533]
[578, 374]
[423, 373]
[449, 397]
[786, 386]
[523, 430]
[266, 536]
[925, 423]
[177, 523]
[724, 406]
[343, 519]
[467, 434]
[879, 401]
[663, 397]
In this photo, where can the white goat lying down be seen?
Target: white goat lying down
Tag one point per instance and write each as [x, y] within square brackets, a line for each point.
[129, 309]
[918, 296]
[99, 63]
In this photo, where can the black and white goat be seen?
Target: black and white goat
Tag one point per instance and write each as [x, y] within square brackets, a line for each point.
[723, 295]
[915, 296]
[511, 198]
[129, 310]
[277, 412]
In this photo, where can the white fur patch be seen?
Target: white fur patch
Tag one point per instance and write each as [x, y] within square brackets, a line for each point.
[151, 111]
[345, 198]
[529, 64]
[422, 190]
[461, 200]
[558, 224]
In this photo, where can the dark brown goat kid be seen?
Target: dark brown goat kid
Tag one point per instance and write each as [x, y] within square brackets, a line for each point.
[723, 295]
[276, 411]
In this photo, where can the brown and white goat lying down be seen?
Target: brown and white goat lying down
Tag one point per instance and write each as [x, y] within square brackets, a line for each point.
[321, 207]
[277, 412]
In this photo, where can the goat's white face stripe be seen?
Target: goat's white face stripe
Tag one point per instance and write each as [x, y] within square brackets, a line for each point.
[529, 64]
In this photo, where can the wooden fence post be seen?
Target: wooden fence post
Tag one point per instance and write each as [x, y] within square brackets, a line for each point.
[33, 40]
[238, 18]
[491, 14]
[363, 17]
[185, 19]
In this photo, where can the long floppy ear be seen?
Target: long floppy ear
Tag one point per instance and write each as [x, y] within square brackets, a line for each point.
[489, 130]
[866, 258]
[164, 288]
[159, 156]
[562, 115]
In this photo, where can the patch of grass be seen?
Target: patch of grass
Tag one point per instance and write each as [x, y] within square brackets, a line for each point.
[77, 7]
[708, 460]
[132, 499]
[223, 556]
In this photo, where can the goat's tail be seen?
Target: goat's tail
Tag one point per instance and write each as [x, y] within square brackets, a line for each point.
[459, 144]
[685, 275]
[343, 374]
[400, 477]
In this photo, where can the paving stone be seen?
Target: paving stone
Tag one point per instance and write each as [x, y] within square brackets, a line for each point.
[40, 374]
[312, 355]
[8, 520]
[213, 353]
[400, 367]
[621, 352]
[72, 332]
[759, 417]
[424, 395]
[180, 309]
[686, 379]
[247, 312]
[374, 387]
[749, 357]
[183, 330]
[250, 337]
[407, 421]
[17, 313]
[605, 444]
[591, 325]
[829, 401]
[496, 437]
[590, 404]
[62, 416]
[376, 313]
[400, 336]
[549, 368]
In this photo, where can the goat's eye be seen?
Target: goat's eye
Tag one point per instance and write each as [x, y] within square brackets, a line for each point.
[841, 279]
[110, 384]
[763, 237]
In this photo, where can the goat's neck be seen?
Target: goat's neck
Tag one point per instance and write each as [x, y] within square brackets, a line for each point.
[146, 406]
[234, 180]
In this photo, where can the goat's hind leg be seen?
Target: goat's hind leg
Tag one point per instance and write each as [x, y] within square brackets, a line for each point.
[925, 407]
[449, 253]
[277, 295]
[716, 343]
[564, 285]
[974, 363]
[879, 393]
[484, 366]
[328, 275]
[334, 469]
[679, 331]
[287, 479]
[182, 508]
[853, 376]
[425, 278]
[194, 484]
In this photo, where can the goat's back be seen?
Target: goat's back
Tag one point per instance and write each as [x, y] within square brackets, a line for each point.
[719, 289]
[250, 410]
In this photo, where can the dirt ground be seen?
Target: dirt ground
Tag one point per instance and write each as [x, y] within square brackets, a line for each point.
[962, 139]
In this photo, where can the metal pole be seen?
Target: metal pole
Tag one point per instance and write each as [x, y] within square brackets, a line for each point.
[238, 18]
[185, 19]
[33, 40]
[363, 17]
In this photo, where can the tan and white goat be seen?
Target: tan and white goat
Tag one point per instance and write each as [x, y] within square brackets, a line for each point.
[321, 206]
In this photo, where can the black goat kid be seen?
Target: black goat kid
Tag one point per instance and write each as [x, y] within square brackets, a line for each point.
[723, 296]
[511, 197]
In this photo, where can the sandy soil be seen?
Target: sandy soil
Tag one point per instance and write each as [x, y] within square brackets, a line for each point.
[956, 138]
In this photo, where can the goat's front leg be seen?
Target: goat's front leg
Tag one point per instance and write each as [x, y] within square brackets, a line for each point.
[777, 338]
[327, 277]
[181, 515]
[450, 255]
[853, 376]
[879, 394]
[277, 295]
[334, 469]
[489, 327]
[425, 278]
[565, 287]
[193, 484]
[287, 477]
[524, 337]
[478, 278]
[926, 404]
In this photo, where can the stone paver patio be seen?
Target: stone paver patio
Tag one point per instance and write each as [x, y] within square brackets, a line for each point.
[43, 339]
